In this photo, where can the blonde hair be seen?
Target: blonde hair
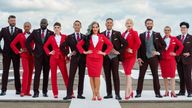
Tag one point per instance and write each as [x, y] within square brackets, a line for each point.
[129, 19]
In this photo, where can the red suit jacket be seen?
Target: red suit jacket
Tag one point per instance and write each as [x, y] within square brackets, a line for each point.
[52, 42]
[21, 39]
[174, 43]
[99, 46]
[133, 43]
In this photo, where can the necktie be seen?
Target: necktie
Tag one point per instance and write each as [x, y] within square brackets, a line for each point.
[182, 38]
[108, 34]
[78, 37]
[11, 30]
[42, 34]
[148, 35]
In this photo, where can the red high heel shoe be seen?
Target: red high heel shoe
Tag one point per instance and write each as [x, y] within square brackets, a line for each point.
[130, 96]
[166, 94]
[22, 94]
[56, 96]
[99, 98]
[173, 95]
[94, 99]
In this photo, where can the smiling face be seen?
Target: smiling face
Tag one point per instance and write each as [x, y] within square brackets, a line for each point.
[184, 29]
[167, 31]
[129, 24]
[27, 27]
[57, 29]
[109, 24]
[12, 22]
[95, 28]
[43, 24]
[149, 25]
[77, 26]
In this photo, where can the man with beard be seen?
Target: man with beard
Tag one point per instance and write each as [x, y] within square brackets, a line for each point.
[8, 34]
[39, 37]
[149, 53]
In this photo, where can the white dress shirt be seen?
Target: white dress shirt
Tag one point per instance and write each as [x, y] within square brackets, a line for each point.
[45, 31]
[126, 35]
[58, 39]
[95, 40]
[110, 32]
[167, 41]
[27, 35]
[10, 29]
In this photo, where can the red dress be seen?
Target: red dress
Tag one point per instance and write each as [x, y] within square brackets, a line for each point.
[58, 59]
[94, 61]
[168, 63]
[130, 58]
[27, 61]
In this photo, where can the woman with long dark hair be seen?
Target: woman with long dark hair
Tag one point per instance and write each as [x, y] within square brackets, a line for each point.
[94, 59]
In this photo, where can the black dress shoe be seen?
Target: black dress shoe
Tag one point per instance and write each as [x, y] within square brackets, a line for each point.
[3, 93]
[158, 96]
[80, 97]
[189, 95]
[17, 92]
[138, 96]
[108, 96]
[180, 94]
[36, 95]
[45, 95]
[67, 98]
[118, 97]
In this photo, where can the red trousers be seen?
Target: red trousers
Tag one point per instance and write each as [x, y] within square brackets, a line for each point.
[28, 65]
[60, 62]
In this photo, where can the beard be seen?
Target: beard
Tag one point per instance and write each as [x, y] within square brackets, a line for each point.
[149, 28]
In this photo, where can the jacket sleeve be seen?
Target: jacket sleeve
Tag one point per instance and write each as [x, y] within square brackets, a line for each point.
[46, 46]
[80, 46]
[139, 49]
[180, 47]
[137, 42]
[109, 45]
[28, 42]
[14, 43]
[123, 43]
[162, 44]
[64, 47]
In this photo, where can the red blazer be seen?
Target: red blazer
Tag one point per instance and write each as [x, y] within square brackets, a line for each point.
[52, 42]
[133, 43]
[21, 39]
[99, 46]
[174, 43]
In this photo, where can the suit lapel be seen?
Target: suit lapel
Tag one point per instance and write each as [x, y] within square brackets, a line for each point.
[187, 36]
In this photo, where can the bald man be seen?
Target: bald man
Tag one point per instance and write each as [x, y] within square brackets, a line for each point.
[26, 58]
[39, 37]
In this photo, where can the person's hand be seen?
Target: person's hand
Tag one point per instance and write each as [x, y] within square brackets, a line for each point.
[130, 50]
[88, 52]
[154, 53]
[67, 60]
[172, 53]
[140, 61]
[52, 52]
[115, 52]
[21, 51]
[102, 53]
[72, 53]
[186, 54]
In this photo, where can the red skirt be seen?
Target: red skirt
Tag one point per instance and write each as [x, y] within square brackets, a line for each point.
[128, 64]
[94, 66]
[168, 68]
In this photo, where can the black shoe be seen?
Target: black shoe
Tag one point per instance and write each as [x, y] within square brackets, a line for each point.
[118, 97]
[17, 92]
[189, 95]
[108, 96]
[80, 97]
[158, 96]
[45, 95]
[3, 93]
[180, 94]
[67, 98]
[138, 96]
[36, 95]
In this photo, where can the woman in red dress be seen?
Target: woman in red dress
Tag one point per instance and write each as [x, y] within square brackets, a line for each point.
[57, 57]
[94, 59]
[168, 63]
[129, 55]
[26, 58]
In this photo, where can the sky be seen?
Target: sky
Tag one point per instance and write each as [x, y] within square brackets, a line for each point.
[163, 12]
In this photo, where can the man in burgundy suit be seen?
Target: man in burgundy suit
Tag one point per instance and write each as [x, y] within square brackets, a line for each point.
[39, 37]
[8, 34]
[149, 53]
[77, 61]
[184, 61]
[111, 61]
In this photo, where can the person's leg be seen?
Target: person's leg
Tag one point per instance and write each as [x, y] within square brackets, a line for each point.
[16, 66]
[181, 77]
[92, 86]
[187, 78]
[63, 69]
[97, 87]
[166, 83]
[31, 67]
[46, 68]
[53, 66]
[129, 89]
[173, 86]
[6, 66]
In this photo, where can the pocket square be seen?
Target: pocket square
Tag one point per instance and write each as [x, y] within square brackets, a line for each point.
[187, 42]
[156, 38]
[115, 39]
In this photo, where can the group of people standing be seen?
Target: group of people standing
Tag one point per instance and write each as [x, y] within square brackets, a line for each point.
[42, 50]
